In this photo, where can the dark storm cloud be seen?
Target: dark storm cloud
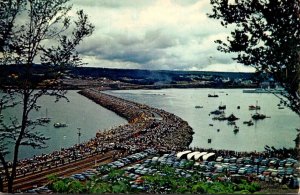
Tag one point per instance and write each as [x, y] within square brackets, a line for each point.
[153, 34]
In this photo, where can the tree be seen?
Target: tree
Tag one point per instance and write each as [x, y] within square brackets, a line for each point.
[34, 31]
[266, 36]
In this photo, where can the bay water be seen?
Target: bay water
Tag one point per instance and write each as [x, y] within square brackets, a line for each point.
[279, 130]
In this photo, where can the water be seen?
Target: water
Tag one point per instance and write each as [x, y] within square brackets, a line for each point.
[80, 112]
[278, 131]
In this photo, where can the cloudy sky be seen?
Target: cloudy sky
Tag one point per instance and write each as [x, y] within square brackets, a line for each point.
[154, 34]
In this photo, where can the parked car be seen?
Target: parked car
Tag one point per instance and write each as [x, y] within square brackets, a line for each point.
[242, 171]
[282, 163]
[265, 162]
[219, 159]
[79, 177]
[220, 170]
[226, 160]
[274, 162]
[240, 161]
[233, 169]
[232, 160]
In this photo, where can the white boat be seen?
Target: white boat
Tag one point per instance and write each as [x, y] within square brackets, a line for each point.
[58, 125]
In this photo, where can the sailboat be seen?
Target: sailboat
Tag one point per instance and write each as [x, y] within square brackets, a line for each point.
[256, 107]
[258, 116]
[45, 119]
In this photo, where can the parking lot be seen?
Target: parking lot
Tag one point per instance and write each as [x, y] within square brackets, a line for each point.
[225, 168]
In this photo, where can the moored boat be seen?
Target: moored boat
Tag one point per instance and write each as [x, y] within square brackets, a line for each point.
[222, 107]
[214, 95]
[236, 129]
[217, 112]
[249, 123]
[232, 118]
[252, 107]
[258, 116]
[45, 119]
[222, 117]
[231, 123]
[58, 125]
[256, 107]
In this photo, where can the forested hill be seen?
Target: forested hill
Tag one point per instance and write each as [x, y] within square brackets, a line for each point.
[121, 74]
[154, 74]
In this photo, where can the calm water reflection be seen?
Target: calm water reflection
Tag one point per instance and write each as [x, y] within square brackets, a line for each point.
[278, 131]
[80, 112]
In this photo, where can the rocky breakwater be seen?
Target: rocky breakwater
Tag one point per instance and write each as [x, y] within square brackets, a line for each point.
[147, 128]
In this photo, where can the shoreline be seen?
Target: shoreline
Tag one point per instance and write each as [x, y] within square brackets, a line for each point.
[147, 127]
[143, 122]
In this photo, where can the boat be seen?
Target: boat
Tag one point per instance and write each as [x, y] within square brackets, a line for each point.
[236, 129]
[222, 117]
[280, 107]
[198, 106]
[249, 123]
[238, 107]
[211, 125]
[231, 123]
[209, 141]
[232, 118]
[258, 116]
[256, 107]
[217, 112]
[58, 125]
[45, 119]
[222, 107]
[251, 107]
[214, 95]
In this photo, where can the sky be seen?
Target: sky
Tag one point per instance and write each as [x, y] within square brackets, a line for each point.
[154, 34]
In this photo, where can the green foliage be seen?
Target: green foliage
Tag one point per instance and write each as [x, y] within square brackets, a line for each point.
[120, 187]
[101, 187]
[60, 186]
[251, 187]
[75, 186]
[199, 188]
[52, 178]
[166, 180]
[262, 40]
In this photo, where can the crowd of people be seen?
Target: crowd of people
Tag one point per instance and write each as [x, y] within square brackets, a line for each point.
[147, 128]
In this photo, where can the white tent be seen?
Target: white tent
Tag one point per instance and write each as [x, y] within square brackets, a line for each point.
[182, 154]
[190, 155]
[197, 156]
[208, 156]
